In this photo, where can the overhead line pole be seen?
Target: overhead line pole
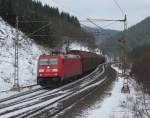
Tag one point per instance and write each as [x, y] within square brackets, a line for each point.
[16, 65]
[123, 41]
[125, 50]
[16, 85]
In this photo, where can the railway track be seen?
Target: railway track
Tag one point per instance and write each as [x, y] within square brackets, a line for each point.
[32, 90]
[30, 86]
[51, 101]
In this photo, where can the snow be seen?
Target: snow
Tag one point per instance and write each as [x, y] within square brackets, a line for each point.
[31, 96]
[117, 69]
[36, 106]
[79, 46]
[111, 103]
[6, 94]
[29, 52]
[121, 105]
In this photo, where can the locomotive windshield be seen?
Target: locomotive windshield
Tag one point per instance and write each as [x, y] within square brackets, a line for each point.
[51, 61]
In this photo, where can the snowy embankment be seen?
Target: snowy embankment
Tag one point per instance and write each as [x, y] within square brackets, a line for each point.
[28, 55]
[123, 105]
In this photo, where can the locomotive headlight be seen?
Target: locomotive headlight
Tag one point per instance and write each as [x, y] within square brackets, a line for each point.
[41, 70]
[54, 70]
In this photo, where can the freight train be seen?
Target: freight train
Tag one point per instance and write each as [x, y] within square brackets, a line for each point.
[57, 67]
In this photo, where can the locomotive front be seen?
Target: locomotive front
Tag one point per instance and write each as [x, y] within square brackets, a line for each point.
[49, 68]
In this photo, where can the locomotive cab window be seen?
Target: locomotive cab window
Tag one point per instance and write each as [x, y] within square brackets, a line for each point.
[51, 61]
[44, 61]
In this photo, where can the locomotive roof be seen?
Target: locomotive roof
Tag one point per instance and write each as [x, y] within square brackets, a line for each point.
[82, 53]
[62, 55]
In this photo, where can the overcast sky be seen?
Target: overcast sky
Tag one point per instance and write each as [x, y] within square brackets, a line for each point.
[136, 10]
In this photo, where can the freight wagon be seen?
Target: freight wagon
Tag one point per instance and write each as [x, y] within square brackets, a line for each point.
[89, 60]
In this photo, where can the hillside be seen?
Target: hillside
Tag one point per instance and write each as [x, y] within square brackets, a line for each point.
[29, 52]
[101, 35]
[136, 36]
[54, 26]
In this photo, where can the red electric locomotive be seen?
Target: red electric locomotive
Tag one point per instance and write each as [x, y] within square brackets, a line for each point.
[58, 67]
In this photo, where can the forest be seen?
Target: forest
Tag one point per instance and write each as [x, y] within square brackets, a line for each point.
[46, 25]
[141, 64]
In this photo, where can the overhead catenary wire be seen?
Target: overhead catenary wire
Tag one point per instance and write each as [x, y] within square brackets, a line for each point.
[87, 19]
[63, 6]
[102, 31]
[41, 35]
[112, 23]
[94, 24]
[102, 20]
[39, 29]
[105, 20]
[92, 21]
[117, 4]
[35, 21]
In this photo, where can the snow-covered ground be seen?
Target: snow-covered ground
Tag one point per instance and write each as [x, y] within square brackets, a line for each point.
[28, 55]
[122, 105]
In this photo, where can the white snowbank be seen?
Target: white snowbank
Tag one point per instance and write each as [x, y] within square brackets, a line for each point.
[111, 104]
[121, 105]
[28, 55]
